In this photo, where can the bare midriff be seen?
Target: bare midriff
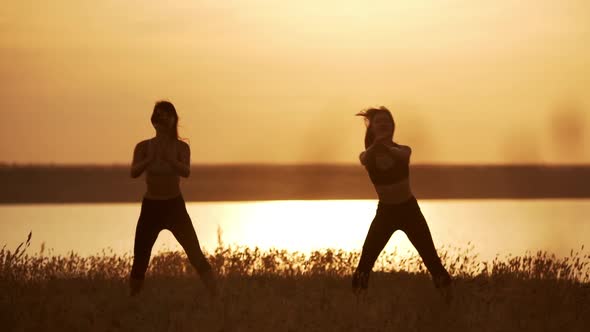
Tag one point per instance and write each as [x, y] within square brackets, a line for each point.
[394, 193]
[162, 186]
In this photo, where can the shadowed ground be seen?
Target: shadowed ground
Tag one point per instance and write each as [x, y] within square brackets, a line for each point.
[284, 291]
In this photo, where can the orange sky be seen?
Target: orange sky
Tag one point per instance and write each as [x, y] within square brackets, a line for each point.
[269, 82]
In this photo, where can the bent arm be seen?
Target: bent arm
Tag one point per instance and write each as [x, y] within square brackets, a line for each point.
[399, 152]
[368, 153]
[140, 160]
[182, 162]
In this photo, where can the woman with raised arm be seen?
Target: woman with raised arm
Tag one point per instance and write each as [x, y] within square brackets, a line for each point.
[164, 158]
[388, 166]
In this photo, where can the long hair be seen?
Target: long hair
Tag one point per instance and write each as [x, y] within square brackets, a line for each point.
[168, 107]
[369, 114]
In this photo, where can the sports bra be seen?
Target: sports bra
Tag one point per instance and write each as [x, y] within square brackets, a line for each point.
[383, 168]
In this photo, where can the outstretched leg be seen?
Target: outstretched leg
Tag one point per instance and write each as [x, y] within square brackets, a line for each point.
[418, 233]
[146, 233]
[183, 230]
[379, 234]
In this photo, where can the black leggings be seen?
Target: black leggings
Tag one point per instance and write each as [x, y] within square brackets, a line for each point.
[408, 218]
[170, 214]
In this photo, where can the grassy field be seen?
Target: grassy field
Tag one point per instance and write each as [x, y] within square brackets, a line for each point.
[288, 291]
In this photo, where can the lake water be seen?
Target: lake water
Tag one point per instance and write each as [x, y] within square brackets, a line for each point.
[492, 226]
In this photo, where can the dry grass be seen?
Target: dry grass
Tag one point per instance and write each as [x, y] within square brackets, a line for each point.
[277, 290]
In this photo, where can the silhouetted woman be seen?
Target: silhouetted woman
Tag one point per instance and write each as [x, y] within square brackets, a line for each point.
[388, 166]
[164, 158]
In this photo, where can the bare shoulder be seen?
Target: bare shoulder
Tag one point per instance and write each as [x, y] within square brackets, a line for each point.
[142, 145]
[402, 147]
[182, 145]
[402, 151]
[363, 157]
[406, 148]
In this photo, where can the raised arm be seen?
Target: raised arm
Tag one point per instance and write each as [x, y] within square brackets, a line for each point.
[368, 153]
[399, 152]
[181, 161]
[141, 159]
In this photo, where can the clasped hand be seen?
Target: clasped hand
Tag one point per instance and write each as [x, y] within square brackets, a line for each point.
[162, 151]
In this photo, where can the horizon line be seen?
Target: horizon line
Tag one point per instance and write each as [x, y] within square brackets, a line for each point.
[266, 164]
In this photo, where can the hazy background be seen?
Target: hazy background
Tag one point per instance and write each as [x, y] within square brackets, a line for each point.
[274, 82]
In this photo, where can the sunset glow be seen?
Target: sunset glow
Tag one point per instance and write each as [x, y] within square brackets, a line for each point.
[272, 82]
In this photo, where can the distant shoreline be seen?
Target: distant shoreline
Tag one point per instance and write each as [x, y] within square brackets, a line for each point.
[85, 184]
